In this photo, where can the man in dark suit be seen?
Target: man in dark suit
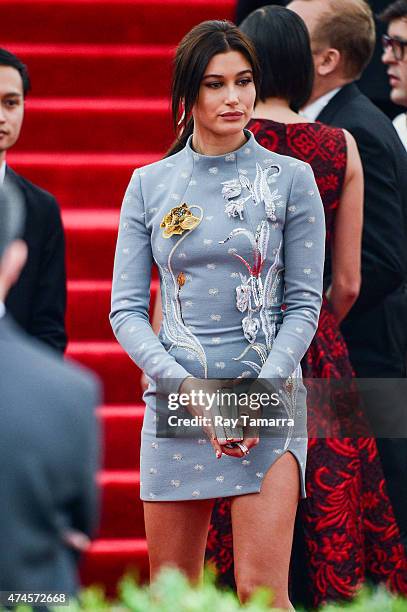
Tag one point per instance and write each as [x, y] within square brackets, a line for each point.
[49, 445]
[38, 300]
[343, 37]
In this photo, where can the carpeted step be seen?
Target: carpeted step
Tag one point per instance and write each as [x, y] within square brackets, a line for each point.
[108, 560]
[81, 180]
[90, 243]
[104, 21]
[121, 434]
[97, 70]
[91, 237]
[97, 125]
[87, 316]
[122, 510]
[119, 374]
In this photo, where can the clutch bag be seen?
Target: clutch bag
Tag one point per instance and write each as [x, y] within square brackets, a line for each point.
[227, 410]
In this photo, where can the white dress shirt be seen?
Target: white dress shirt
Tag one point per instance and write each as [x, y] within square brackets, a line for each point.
[2, 172]
[400, 123]
[311, 111]
[2, 310]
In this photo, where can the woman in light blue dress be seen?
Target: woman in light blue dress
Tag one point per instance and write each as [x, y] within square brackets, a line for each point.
[237, 234]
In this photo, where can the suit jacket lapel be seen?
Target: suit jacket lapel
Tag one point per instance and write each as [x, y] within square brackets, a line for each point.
[347, 93]
[11, 177]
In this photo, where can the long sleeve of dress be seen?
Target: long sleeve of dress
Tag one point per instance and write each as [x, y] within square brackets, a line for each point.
[304, 246]
[129, 314]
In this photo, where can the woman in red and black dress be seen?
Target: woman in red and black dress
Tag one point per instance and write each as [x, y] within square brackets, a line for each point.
[346, 524]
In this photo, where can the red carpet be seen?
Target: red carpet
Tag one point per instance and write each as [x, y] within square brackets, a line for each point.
[82, 178]
[98, 109]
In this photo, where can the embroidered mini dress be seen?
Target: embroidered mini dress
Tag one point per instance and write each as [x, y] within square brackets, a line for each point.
[241, 285]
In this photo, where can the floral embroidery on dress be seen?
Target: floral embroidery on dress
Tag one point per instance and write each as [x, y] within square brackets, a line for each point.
[250, 328]
[288, 394]
[173, 323]
[232, 189]
[249, 294]
[259, 192]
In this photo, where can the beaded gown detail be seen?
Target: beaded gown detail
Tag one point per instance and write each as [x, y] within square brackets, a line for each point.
[346, 520]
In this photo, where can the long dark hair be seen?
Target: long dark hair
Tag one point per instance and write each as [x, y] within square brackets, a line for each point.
[283, 47]
[193, 55]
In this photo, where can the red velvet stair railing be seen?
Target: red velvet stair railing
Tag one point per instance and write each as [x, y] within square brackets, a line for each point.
[99, 108]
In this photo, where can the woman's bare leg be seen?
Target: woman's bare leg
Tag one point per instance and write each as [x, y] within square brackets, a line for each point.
[177, 532]
[263, 525]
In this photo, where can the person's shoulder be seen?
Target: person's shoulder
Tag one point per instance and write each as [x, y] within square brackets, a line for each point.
[320, 130]
[42, 367]
[34, 191]
[369, 112]
[361, 113]
[36, 197]
[285, 163]
[372, 129]
[160, 167]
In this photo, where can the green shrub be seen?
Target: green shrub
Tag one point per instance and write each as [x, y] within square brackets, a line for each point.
[171, 592]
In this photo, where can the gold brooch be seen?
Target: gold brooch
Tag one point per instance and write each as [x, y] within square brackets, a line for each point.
[178, 220]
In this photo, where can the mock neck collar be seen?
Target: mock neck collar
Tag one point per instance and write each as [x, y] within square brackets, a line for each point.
[243, 153]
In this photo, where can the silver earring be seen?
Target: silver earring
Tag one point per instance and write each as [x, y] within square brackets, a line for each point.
[182, 117]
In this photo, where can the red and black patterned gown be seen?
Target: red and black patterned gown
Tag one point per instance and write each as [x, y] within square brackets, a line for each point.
[346, 523]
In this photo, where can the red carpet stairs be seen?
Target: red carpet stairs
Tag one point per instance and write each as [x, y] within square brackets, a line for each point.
[99, 108]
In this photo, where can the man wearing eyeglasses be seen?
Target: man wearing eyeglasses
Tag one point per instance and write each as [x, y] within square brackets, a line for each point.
[395, 58]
